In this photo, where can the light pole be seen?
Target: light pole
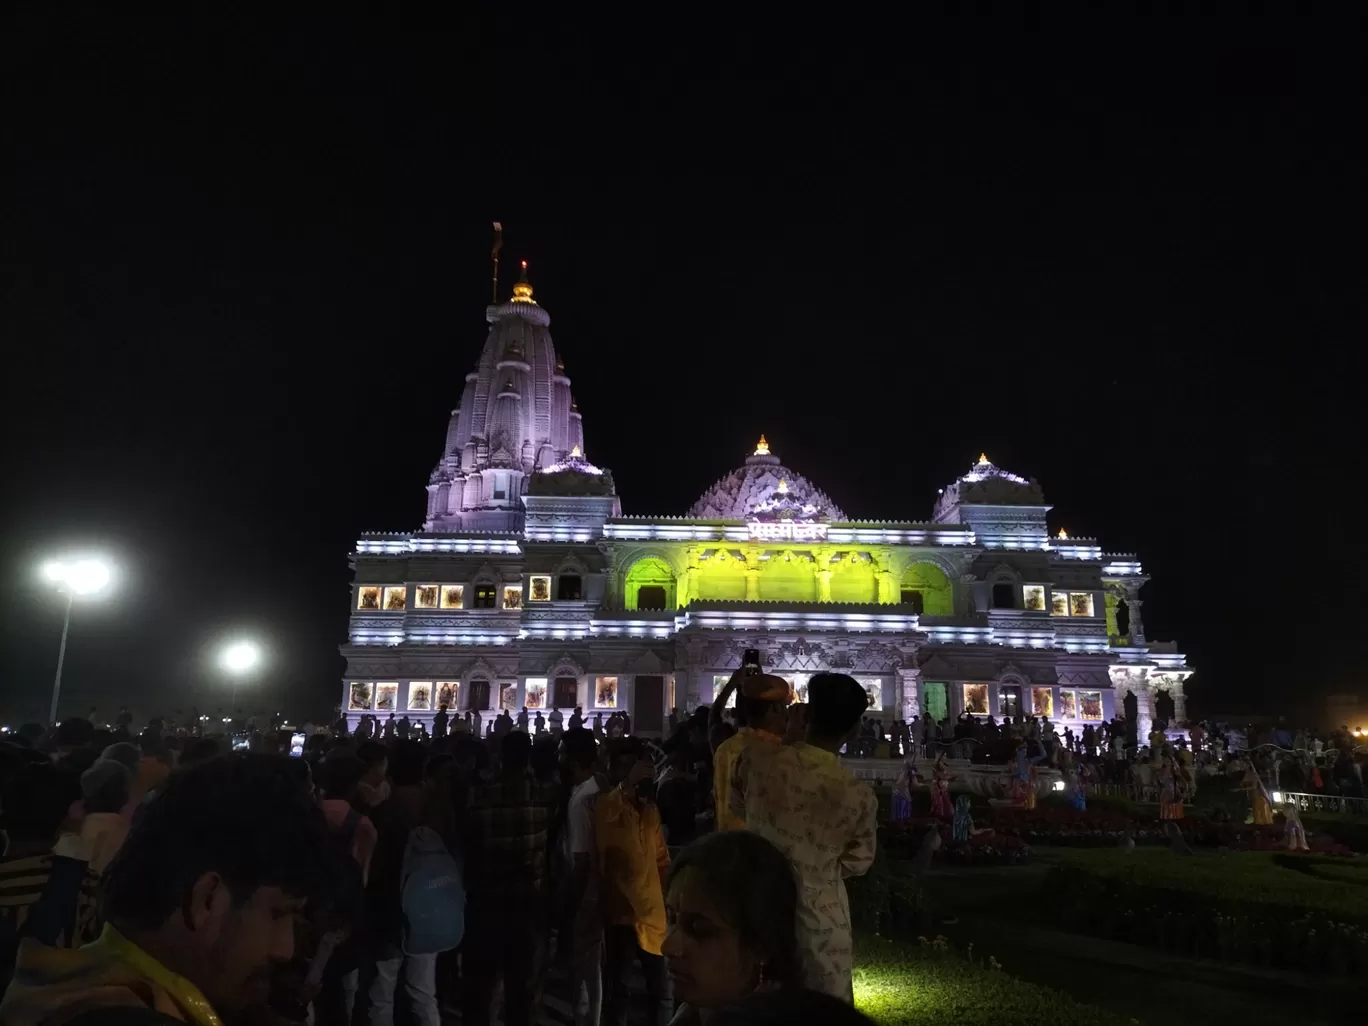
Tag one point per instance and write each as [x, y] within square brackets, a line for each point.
[239, 658]
[82, 578]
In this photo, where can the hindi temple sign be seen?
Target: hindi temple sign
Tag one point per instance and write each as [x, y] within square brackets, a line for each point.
[786, 530]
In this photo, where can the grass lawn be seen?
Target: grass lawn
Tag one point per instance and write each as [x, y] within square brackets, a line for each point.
[907, 984]
[1336, 887]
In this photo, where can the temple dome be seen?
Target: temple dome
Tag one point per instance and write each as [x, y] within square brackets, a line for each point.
[985, 484]
[763, 484]
[516, 415]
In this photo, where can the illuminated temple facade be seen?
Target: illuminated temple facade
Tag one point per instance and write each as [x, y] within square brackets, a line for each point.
[527, 586]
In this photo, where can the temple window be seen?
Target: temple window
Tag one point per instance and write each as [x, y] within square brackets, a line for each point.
[512, 596]
[569, 588]
[539, 588]
[453, 596]
[426, 596]
[873, 689]
[606, 693]
[720, 682]
[1033, 597]
[534, 694]
[485, 596]
[396, 599]
[1071, 603]
[915, 599]
[651, 596]
[1068, 704]
[1123, 619]
[367, 597]
[1090, 704]
[1004, 596]
[1009, 700]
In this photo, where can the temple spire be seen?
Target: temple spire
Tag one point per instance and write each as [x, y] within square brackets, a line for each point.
[762, 447]
[522, 292]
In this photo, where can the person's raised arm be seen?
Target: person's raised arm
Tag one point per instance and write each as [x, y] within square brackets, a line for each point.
[716, 735]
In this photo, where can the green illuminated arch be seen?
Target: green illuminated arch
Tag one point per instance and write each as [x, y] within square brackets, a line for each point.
[650, 573]
[938, 598]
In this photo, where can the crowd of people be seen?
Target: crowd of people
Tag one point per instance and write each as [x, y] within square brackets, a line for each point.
[164, 876]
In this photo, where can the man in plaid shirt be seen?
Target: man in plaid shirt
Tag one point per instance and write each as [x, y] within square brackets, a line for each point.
[506, 850]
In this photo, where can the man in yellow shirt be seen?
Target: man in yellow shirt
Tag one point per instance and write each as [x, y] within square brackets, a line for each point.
[762, 710]
[201, 904]
[633, 863]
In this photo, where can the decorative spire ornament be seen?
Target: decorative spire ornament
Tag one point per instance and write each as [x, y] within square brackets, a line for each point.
[762, 447]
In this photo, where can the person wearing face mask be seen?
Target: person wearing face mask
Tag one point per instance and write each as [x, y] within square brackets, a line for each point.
[732, 906]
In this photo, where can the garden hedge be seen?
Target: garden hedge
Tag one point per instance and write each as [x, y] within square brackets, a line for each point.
[901, 983]
[1266, 908]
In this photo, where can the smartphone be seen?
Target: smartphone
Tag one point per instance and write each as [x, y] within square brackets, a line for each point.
[241, 742]
[297, 744]
[750, 661]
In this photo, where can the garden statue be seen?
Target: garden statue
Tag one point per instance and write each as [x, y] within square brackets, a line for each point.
[901, 810]
[963, 824]
[1170, 791]
[1023, 780]
[940, 789]
[1296, 834]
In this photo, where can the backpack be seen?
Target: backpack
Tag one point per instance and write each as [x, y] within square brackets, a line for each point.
[431, 895]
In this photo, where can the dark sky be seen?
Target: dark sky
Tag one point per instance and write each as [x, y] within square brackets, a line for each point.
[245, 267]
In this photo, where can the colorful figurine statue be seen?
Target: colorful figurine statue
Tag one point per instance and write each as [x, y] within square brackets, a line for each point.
[963, 823]
[940, 789]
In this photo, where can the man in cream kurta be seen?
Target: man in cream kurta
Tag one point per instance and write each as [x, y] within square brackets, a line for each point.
[813, 809]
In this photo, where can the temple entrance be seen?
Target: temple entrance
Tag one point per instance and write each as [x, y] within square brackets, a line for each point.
[1009, 700]
[934, 705]
[648, 705]
[479, 694]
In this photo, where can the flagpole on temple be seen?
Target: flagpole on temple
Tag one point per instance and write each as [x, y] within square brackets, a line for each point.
[498, 245]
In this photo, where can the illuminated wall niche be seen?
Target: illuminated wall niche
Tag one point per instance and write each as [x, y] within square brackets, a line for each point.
[976, 699]
[929, 580]
[396, 599]
[657, 578]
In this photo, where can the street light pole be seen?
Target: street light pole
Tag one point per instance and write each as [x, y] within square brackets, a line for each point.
[61, 658]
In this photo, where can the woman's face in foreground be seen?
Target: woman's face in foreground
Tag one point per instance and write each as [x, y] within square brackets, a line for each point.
[708, 964]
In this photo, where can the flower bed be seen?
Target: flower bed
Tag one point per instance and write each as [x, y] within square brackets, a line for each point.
[909, 984]
[902, 841]
[1109, 827]
[1295, 911]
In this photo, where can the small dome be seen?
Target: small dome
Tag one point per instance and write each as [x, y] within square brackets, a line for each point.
[764, 484]
[986, 484]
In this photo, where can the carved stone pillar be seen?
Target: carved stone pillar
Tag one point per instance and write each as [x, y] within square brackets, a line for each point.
[909, 686]
[752, 584]
[690, 581]
[887, 589]
[1137, 625]
[612, 585]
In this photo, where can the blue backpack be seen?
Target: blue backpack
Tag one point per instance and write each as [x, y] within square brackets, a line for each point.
[431, 895]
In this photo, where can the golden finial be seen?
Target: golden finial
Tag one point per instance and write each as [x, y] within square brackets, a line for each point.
[1063, 534]
[762, 447]
[783, 487]
[983, 456]
[575, 453]
[522, 292]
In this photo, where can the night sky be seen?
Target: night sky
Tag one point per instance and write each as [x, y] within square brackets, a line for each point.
[245, 267]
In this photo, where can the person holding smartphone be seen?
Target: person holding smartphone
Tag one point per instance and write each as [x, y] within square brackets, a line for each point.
[762, 701]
